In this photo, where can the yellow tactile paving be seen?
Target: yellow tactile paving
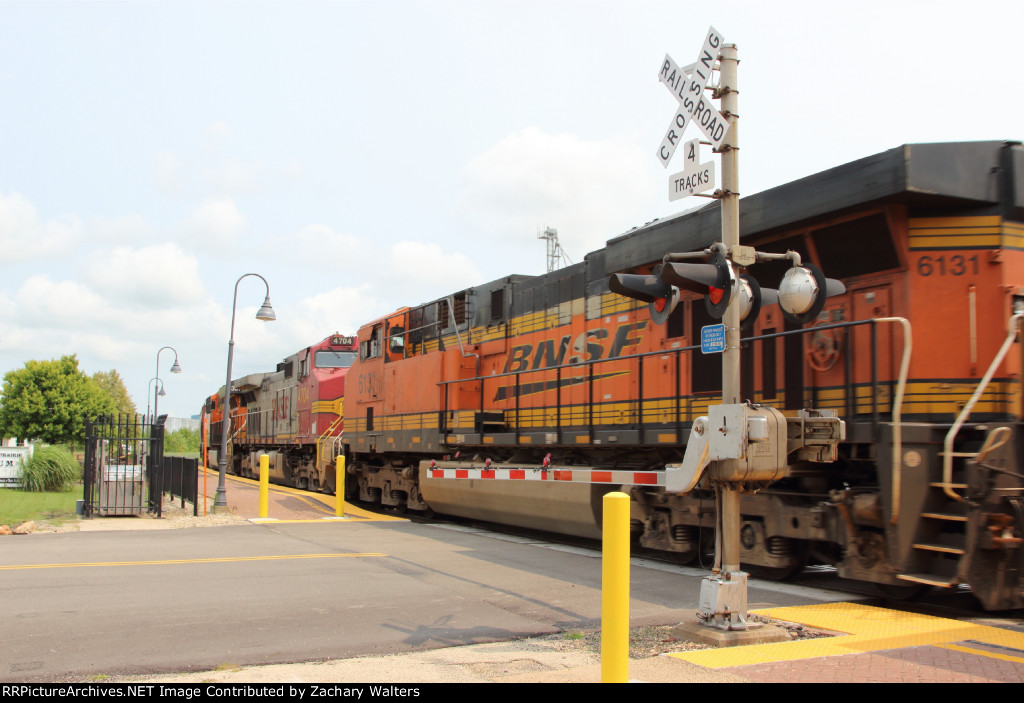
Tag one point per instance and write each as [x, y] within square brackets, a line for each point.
[320, 503]
[866, 628]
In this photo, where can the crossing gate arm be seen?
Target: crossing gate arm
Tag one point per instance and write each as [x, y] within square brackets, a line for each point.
[552, 473]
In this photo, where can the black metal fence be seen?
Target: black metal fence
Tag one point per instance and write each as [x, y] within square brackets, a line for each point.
[181, 480]
[125, 470]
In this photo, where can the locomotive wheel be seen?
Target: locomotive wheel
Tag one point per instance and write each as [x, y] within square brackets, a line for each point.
[684, 558]
[776, 573]
[705, 555]
[782, 573]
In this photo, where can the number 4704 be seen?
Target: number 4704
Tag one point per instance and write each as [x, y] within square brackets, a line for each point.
[955, 265]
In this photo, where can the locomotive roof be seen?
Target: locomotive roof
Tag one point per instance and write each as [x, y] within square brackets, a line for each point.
[987, 174]
[926, 177]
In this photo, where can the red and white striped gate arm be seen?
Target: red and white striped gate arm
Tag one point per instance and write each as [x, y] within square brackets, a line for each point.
[571, 474]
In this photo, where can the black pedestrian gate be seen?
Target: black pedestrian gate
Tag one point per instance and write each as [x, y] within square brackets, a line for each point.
[123, 465]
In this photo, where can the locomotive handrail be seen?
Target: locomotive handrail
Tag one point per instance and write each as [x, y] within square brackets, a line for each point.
[947, 448]
[897, 409]
[327, 433]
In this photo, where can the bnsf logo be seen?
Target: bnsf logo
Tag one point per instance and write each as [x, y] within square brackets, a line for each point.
[588, 346]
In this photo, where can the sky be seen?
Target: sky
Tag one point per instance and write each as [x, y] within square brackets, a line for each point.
[367, 155]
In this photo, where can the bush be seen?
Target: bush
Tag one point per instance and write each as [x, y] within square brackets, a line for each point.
[51, 469]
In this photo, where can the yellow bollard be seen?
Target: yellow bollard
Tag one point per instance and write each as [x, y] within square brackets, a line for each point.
[264, 485]
[339, 487]
[615, 589]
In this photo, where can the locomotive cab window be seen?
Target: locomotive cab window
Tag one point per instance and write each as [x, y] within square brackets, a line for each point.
[370, 349]
[396, 342]
[328, 359]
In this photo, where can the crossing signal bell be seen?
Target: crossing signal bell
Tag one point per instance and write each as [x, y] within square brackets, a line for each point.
[803, 290]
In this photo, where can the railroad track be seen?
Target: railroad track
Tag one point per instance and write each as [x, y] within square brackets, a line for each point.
[956, 604]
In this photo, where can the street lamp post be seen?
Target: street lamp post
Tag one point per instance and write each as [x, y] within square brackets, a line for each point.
[160, 391]
[266, 314]
[174, 369]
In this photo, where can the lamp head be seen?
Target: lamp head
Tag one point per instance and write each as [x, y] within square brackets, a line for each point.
[266, 313]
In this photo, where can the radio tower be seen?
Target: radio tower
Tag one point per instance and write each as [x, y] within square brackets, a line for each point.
[555, 251]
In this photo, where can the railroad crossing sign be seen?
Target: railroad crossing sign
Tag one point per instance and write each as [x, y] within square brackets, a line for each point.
[695, 178]
[687, 85]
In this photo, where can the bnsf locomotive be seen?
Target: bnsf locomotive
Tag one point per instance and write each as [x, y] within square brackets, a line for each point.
[918, 356]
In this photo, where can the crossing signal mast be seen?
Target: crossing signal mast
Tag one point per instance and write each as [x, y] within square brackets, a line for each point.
[737, 443]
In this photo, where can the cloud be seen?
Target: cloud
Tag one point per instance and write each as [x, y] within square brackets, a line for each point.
[215, 225]
[237, 177]
[125, 230]
[42, 303]
[589, 191]
[342, 309]
[23, 237]
[157, 277]
[321, 247]
[170, 173]
[422, 271]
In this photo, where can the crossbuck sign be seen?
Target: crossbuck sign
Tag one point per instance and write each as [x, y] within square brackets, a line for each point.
[687, 85]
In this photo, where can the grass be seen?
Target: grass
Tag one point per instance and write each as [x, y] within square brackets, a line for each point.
[55, 507]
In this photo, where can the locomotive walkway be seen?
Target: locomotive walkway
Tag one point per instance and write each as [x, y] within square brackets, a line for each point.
[872, 644]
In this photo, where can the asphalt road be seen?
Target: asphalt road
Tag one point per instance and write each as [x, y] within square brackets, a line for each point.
[81, 604]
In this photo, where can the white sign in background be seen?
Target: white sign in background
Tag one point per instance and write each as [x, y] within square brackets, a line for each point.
[12, 461]
[688, 89]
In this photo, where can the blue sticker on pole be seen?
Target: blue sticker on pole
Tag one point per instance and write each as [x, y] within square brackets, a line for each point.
[712, 339]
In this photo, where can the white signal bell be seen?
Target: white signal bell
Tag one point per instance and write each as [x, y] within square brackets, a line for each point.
[746, 298]
[803, 291]
[798, 290]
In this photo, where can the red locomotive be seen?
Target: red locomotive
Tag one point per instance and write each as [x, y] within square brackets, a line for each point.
[293, 414]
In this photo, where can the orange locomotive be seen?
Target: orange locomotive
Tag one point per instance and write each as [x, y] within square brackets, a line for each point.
[917, 356]
[294, 415]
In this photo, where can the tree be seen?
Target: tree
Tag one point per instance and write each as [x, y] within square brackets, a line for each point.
[182, 442]
[113, 386]
[46, 401]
